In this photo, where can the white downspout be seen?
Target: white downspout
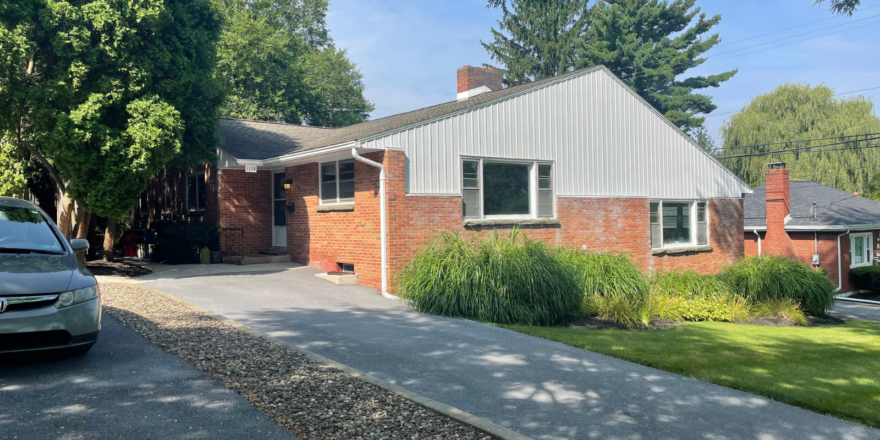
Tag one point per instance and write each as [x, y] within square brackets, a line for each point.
[759, 240]
[382, 218]
[839, 265]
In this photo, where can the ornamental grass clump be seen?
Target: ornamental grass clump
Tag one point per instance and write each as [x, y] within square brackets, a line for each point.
[773, 278]
[508, 279]
[611, 285]
[689, 296]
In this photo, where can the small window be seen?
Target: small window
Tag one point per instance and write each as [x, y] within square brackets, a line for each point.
[495, 189]
[346, 267]
[678, 223]
[169, 183]
[142, 203]
[860, 249]
[195, 192]
[337, 182]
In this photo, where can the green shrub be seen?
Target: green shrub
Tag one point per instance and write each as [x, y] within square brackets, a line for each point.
[766, 278]
[604, 274]
[505, 280]
[620, 309]
[689, 296]
[866, 278]
[782, 309]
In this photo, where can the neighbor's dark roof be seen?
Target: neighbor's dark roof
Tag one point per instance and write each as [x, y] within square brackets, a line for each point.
[264, 140]
[835, 207]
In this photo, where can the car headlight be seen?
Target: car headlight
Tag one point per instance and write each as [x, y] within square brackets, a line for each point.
[77, 296]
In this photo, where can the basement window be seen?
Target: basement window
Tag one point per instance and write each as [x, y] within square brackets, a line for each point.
[679, 223]
[507, 189]
[337, 182]
[346, 267]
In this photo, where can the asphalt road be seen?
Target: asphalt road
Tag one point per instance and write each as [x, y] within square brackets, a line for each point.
[537, 387]
[124, 388]
[855, 310]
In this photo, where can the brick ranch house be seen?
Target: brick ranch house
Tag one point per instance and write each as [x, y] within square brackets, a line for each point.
[818, 225]
[577, 160]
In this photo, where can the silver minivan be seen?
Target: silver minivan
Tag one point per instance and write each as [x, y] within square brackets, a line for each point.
[48, 299]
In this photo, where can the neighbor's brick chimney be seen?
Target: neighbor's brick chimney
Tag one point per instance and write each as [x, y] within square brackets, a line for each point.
[777, 241]
[470, 79]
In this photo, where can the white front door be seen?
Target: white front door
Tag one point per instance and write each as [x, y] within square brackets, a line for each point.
[279, 211]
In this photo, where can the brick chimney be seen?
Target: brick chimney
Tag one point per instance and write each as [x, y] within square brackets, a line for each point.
[777, 241]
[473, 81]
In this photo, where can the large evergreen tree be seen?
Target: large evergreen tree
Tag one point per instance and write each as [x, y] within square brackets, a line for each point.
[649, 44]
[796, 112]
[278, 63]
[103, 93]
[538, 38]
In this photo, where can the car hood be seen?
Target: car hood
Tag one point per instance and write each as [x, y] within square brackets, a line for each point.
[35, 274]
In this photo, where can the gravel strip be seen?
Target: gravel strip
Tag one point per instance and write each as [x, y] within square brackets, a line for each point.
[308, 399]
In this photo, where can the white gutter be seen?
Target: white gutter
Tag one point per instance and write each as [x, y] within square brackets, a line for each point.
[382, 218]
[839, 266]
[802, 228]
[759, 241]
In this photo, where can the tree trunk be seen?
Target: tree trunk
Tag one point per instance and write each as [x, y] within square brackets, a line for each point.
[109, 237]
[65, 214]
[82, 230]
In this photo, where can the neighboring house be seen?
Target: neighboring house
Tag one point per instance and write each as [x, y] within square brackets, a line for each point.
[578, 160]
[821, 226]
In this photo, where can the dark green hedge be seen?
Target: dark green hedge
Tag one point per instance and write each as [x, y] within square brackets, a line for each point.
[866, 278]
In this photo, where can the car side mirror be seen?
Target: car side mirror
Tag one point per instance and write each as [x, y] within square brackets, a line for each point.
[78, 245]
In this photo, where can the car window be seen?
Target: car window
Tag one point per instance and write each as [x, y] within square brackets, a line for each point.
[26, 229]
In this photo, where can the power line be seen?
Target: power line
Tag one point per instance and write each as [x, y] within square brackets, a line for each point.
[769, 144]
[807, 150]
[836, 94]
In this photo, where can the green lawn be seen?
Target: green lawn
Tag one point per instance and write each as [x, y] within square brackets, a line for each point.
[833, 370]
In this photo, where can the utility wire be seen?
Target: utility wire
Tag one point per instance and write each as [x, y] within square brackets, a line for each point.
[808, 150]
[863, 136]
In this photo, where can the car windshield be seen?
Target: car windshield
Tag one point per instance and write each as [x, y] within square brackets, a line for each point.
[25, 229]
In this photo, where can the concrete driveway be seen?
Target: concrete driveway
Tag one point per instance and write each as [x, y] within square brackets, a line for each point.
[537, 387]
[856, 310]
[125, 388]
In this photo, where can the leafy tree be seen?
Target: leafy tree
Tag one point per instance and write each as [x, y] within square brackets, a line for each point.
[704, 139]
[278, 63]
[103, 93]
[649, 44]
[842, 7]
[796, 112]
[539, 39]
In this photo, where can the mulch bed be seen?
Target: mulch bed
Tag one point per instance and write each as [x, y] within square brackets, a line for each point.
[310, 400]
[596, 323]
[117, 268]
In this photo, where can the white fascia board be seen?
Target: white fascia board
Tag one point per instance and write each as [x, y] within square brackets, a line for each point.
[802, 228]
[309, 154]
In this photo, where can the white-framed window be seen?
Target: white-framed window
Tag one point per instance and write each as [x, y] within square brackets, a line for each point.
[679, 223]
[860, 249]
[195, 192]
[507, 189]
[336, 181]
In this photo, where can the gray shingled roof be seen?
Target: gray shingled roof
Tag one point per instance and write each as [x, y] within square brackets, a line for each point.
[835, 207]
[264, 140]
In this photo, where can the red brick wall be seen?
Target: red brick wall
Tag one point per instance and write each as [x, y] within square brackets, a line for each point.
[805, 244]
[245, 202]
[777, 242]
[323, 239]
[602, 224]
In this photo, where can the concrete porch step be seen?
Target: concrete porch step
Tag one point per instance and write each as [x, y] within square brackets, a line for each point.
[256, 259]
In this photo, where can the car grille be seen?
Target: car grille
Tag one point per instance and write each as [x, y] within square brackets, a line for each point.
[33, 302]
[23, 341]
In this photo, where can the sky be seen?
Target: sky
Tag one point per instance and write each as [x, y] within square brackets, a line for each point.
[409, 51]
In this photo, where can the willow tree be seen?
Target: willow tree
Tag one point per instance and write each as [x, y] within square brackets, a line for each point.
[103, 93]
[788, 116]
